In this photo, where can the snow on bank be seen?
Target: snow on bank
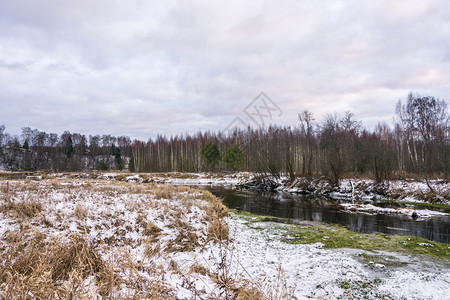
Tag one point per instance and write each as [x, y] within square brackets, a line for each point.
[328, 274]
[372, 209]
[365, 190]
[226, 179]
[174, 178]
[362, 195]
[359, 190]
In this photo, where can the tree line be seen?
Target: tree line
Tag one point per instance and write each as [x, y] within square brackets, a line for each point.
[37, 150]
[333, 147]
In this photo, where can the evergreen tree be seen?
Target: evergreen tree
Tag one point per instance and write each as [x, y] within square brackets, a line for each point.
[131, 166]
[103, 166]
[210, 154]
[234, 157]
[69, 147]
[118, 158]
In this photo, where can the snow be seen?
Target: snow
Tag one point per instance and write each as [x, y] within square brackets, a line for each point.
[226, 179]
[173, 178]
[110, 211]
[372, 209]
[317, 272]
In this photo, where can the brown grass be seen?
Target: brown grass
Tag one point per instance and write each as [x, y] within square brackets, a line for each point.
[23, 209]
[80, 211]
[185, 241]
[216, 212]
[151, 229]
[49, 268]
[163, 192]
[182, 175]
[37, 264]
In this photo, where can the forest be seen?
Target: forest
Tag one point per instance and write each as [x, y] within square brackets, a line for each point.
[334, 147]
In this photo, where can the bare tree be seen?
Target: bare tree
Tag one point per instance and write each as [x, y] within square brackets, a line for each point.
[306, 128]
[425, 125]
[2, 129]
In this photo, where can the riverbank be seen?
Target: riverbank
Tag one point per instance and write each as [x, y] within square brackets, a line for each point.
[360, 190]
[406, 197]
[75, 237]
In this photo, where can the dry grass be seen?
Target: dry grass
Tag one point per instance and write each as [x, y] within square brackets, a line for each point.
[48, 268]
[163, 192]
[80, 211]
[182, 175]
[216, 212]
[23, 209]
[60, 261]
[151, 229]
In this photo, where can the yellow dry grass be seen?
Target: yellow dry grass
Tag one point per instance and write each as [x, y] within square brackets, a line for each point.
[21, 209]
[37, 262]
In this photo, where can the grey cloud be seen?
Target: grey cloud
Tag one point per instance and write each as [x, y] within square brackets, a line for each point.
[13, 66]
[171, 67]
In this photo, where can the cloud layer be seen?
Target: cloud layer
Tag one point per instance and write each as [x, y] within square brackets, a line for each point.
[140, 68]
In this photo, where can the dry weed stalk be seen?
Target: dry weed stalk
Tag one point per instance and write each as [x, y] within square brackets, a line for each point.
[80, 211]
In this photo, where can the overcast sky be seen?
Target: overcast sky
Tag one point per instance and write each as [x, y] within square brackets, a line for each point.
[140, 68]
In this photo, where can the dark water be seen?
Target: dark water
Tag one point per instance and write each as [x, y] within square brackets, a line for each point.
[301, 207]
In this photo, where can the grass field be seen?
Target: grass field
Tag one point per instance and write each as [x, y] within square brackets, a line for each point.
[82, 239]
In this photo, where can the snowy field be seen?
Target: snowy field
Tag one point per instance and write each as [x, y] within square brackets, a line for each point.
[88, 238]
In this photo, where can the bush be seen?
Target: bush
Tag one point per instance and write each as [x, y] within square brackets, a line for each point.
[103, 166]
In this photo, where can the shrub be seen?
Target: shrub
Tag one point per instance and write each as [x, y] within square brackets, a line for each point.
[103, 166]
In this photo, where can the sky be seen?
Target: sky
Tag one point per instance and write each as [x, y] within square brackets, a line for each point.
[141, 68]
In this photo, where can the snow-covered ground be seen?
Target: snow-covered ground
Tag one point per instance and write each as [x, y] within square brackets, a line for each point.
[166, 238]
[225, 179]
[419, 214]
[333, 274]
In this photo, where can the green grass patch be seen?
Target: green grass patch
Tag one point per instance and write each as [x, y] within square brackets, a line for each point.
[336, 236]
[248, 217]
[424, 205]
[359, 289]
[386, 260]
[428, 205]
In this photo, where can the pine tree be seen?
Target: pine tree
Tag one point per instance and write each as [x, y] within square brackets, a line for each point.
[234, 157]
[210, 154]
[131, 166]
[69, 147]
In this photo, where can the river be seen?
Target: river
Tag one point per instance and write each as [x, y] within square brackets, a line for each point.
[306, 208]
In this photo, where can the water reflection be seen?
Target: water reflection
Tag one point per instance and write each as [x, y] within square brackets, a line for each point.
[301, 207]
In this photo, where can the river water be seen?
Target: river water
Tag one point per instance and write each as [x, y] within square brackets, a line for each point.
[307, 208]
